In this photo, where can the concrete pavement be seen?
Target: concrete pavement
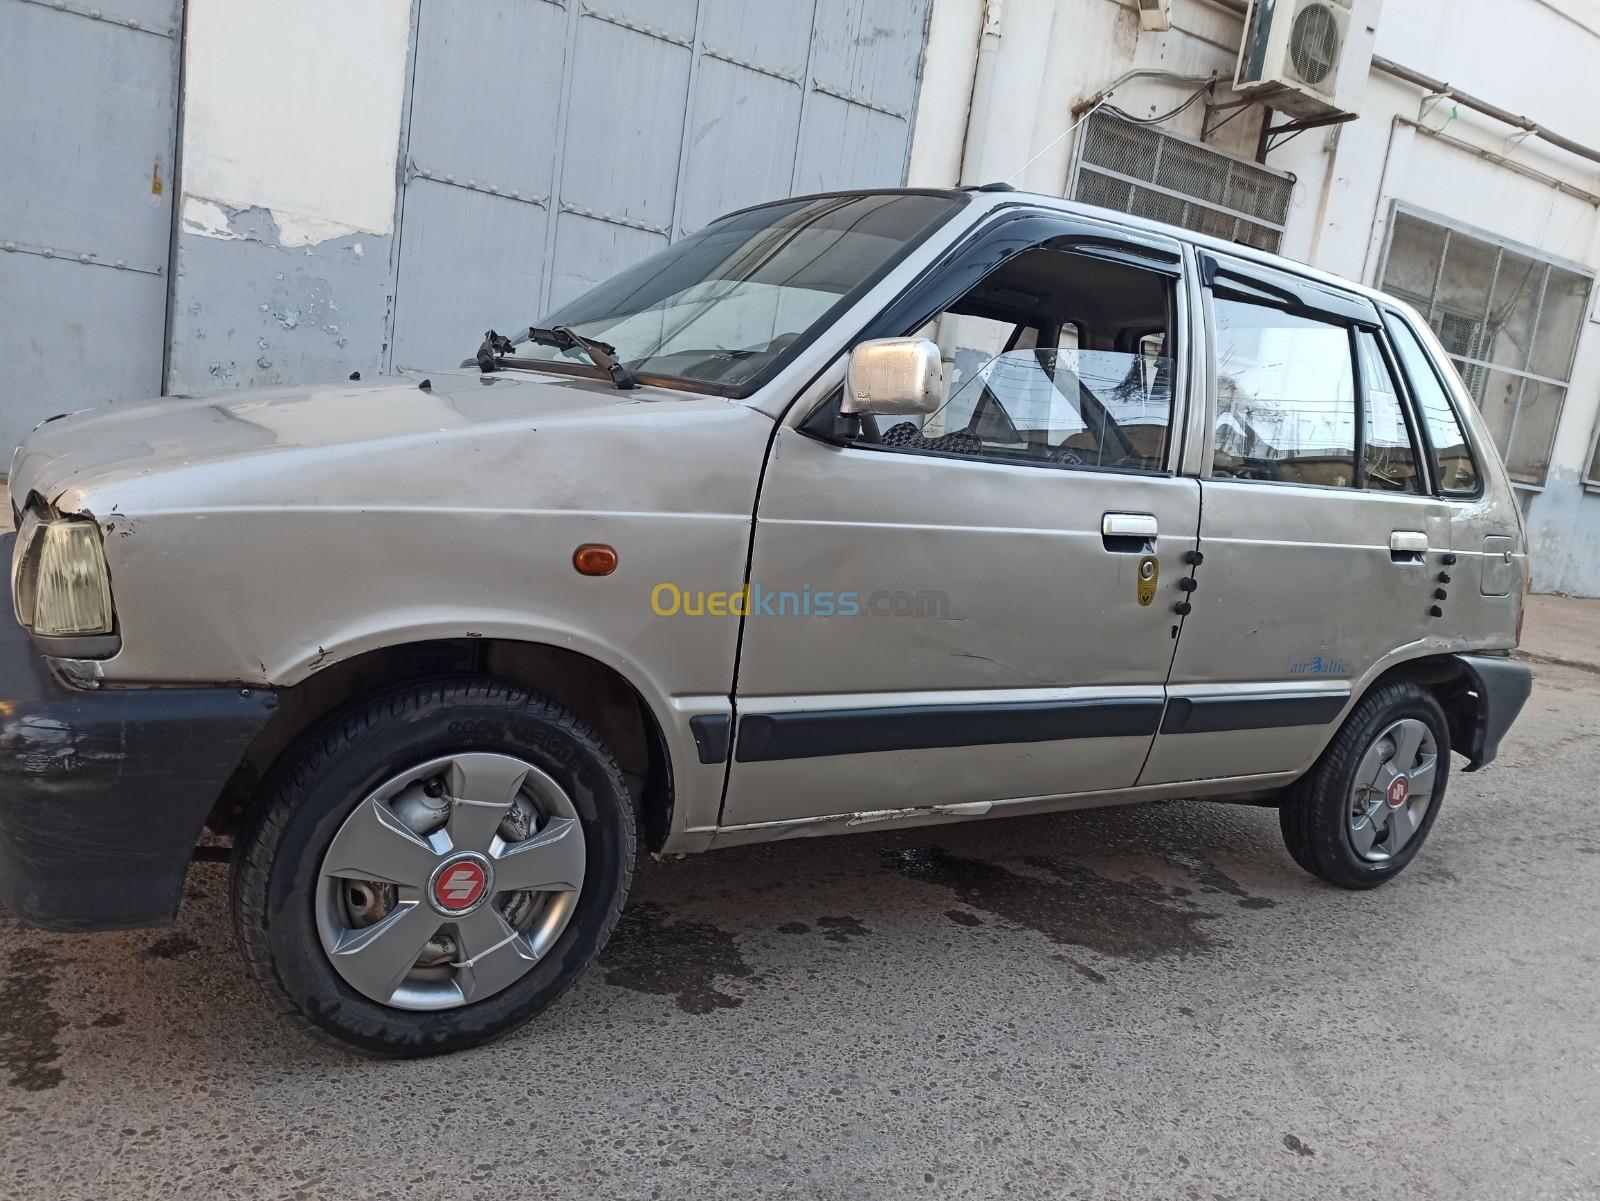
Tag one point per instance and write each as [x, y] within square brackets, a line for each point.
[1562, 630]
[1150, 1003]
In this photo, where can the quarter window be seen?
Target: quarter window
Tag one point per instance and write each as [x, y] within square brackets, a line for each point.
[1453, 465]
[1286, 398]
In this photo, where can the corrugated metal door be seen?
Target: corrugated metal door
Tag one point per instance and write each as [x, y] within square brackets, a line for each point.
[88, 97]
[552, 144]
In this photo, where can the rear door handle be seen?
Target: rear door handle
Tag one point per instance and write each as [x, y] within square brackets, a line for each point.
[1128, 533]
[1408, 546]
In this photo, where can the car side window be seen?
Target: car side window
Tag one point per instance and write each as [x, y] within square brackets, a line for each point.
[1453, 464]
[1057, 360]
[1389, 458]
[1286, 397]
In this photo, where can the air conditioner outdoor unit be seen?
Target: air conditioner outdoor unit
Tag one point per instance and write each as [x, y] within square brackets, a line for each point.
[1308, 58]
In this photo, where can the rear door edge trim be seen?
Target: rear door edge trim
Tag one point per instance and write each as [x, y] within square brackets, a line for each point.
[1254, 711]
[826, 732]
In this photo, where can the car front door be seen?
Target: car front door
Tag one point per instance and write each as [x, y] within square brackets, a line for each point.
[1320, 536]
[977, 606]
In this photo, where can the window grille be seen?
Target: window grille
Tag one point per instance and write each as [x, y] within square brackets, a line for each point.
[1150, 172]
[1509, 317]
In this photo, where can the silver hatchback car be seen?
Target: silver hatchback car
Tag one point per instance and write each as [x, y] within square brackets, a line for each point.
[850, 511]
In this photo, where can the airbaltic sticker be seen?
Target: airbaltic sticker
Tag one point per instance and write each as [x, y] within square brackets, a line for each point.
[1318, 666]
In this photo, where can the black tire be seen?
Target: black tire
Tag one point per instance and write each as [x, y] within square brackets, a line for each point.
[1313, 815]
[332, 768]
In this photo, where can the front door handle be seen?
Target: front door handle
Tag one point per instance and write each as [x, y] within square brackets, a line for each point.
[1408, 546]
[1129, 525]
[1128, 533]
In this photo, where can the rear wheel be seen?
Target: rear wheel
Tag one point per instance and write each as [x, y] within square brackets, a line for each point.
[1363, 812]
[434, 867]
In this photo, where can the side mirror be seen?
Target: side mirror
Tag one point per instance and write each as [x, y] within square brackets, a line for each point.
[894, 377]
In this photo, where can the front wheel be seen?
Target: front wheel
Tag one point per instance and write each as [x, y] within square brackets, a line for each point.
[433, 867]
[1362, 813]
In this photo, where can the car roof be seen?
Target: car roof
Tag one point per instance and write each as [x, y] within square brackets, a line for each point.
[984, 198]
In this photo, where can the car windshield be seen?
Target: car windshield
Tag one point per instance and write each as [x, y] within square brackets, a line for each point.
[722, 307]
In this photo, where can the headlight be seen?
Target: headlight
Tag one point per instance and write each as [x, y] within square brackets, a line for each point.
[59, 582]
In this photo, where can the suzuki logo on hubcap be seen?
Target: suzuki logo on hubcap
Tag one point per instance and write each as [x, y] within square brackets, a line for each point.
[1398, 792]
[459, 885]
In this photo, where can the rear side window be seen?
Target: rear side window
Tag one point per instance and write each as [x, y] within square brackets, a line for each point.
[1453, 464]
[1286, 398]
[1389, 458]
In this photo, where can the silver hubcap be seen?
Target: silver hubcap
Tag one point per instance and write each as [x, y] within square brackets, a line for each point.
[449, 882]
[1394, 787]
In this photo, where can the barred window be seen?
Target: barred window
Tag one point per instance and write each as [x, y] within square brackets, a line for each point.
[1509, 317]
[1149, 172]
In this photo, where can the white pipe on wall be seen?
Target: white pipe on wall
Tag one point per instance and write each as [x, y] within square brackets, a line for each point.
[983, 88]
[945, 104]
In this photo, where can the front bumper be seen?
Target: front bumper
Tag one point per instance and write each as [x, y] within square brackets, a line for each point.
[103, 793]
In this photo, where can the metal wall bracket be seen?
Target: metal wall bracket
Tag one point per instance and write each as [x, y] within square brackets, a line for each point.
[1234, 109]
[1274, 136]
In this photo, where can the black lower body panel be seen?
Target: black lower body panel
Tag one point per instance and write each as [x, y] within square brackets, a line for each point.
[103, 793]
[1502, 685]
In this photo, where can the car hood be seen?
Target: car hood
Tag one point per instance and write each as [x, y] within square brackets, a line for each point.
[401, 440]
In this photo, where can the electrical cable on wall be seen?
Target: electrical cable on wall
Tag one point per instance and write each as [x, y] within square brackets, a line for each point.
[1102, 101]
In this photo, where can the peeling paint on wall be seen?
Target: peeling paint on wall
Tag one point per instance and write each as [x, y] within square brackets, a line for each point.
[252, 310]
[206, 218]
[290, 143]
[210, 219]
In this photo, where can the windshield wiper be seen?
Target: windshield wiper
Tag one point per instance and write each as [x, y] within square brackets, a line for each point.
[602, 354]
[494, 348]
[495, 352]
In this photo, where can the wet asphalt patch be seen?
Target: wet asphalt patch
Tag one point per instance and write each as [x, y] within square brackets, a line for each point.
[842, 929]
[652, 952]
[1213, 879]
[1069, 904]
[171, 947]
[30, 1036]
[704, 968]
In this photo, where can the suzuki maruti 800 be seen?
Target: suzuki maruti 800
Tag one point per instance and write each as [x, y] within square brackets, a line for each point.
[866, 510]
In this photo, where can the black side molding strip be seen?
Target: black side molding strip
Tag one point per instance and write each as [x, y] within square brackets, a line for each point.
[710, 732]
[1211, 714]
[768, 736]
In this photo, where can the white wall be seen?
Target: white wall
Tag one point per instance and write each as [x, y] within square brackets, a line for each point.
[293, 106]
[291, 139]
[1529, 56]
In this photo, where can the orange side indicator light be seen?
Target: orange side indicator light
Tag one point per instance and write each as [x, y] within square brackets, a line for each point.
[594, 558]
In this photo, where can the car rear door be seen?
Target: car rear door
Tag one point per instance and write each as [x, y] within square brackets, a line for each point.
[1319, 535]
